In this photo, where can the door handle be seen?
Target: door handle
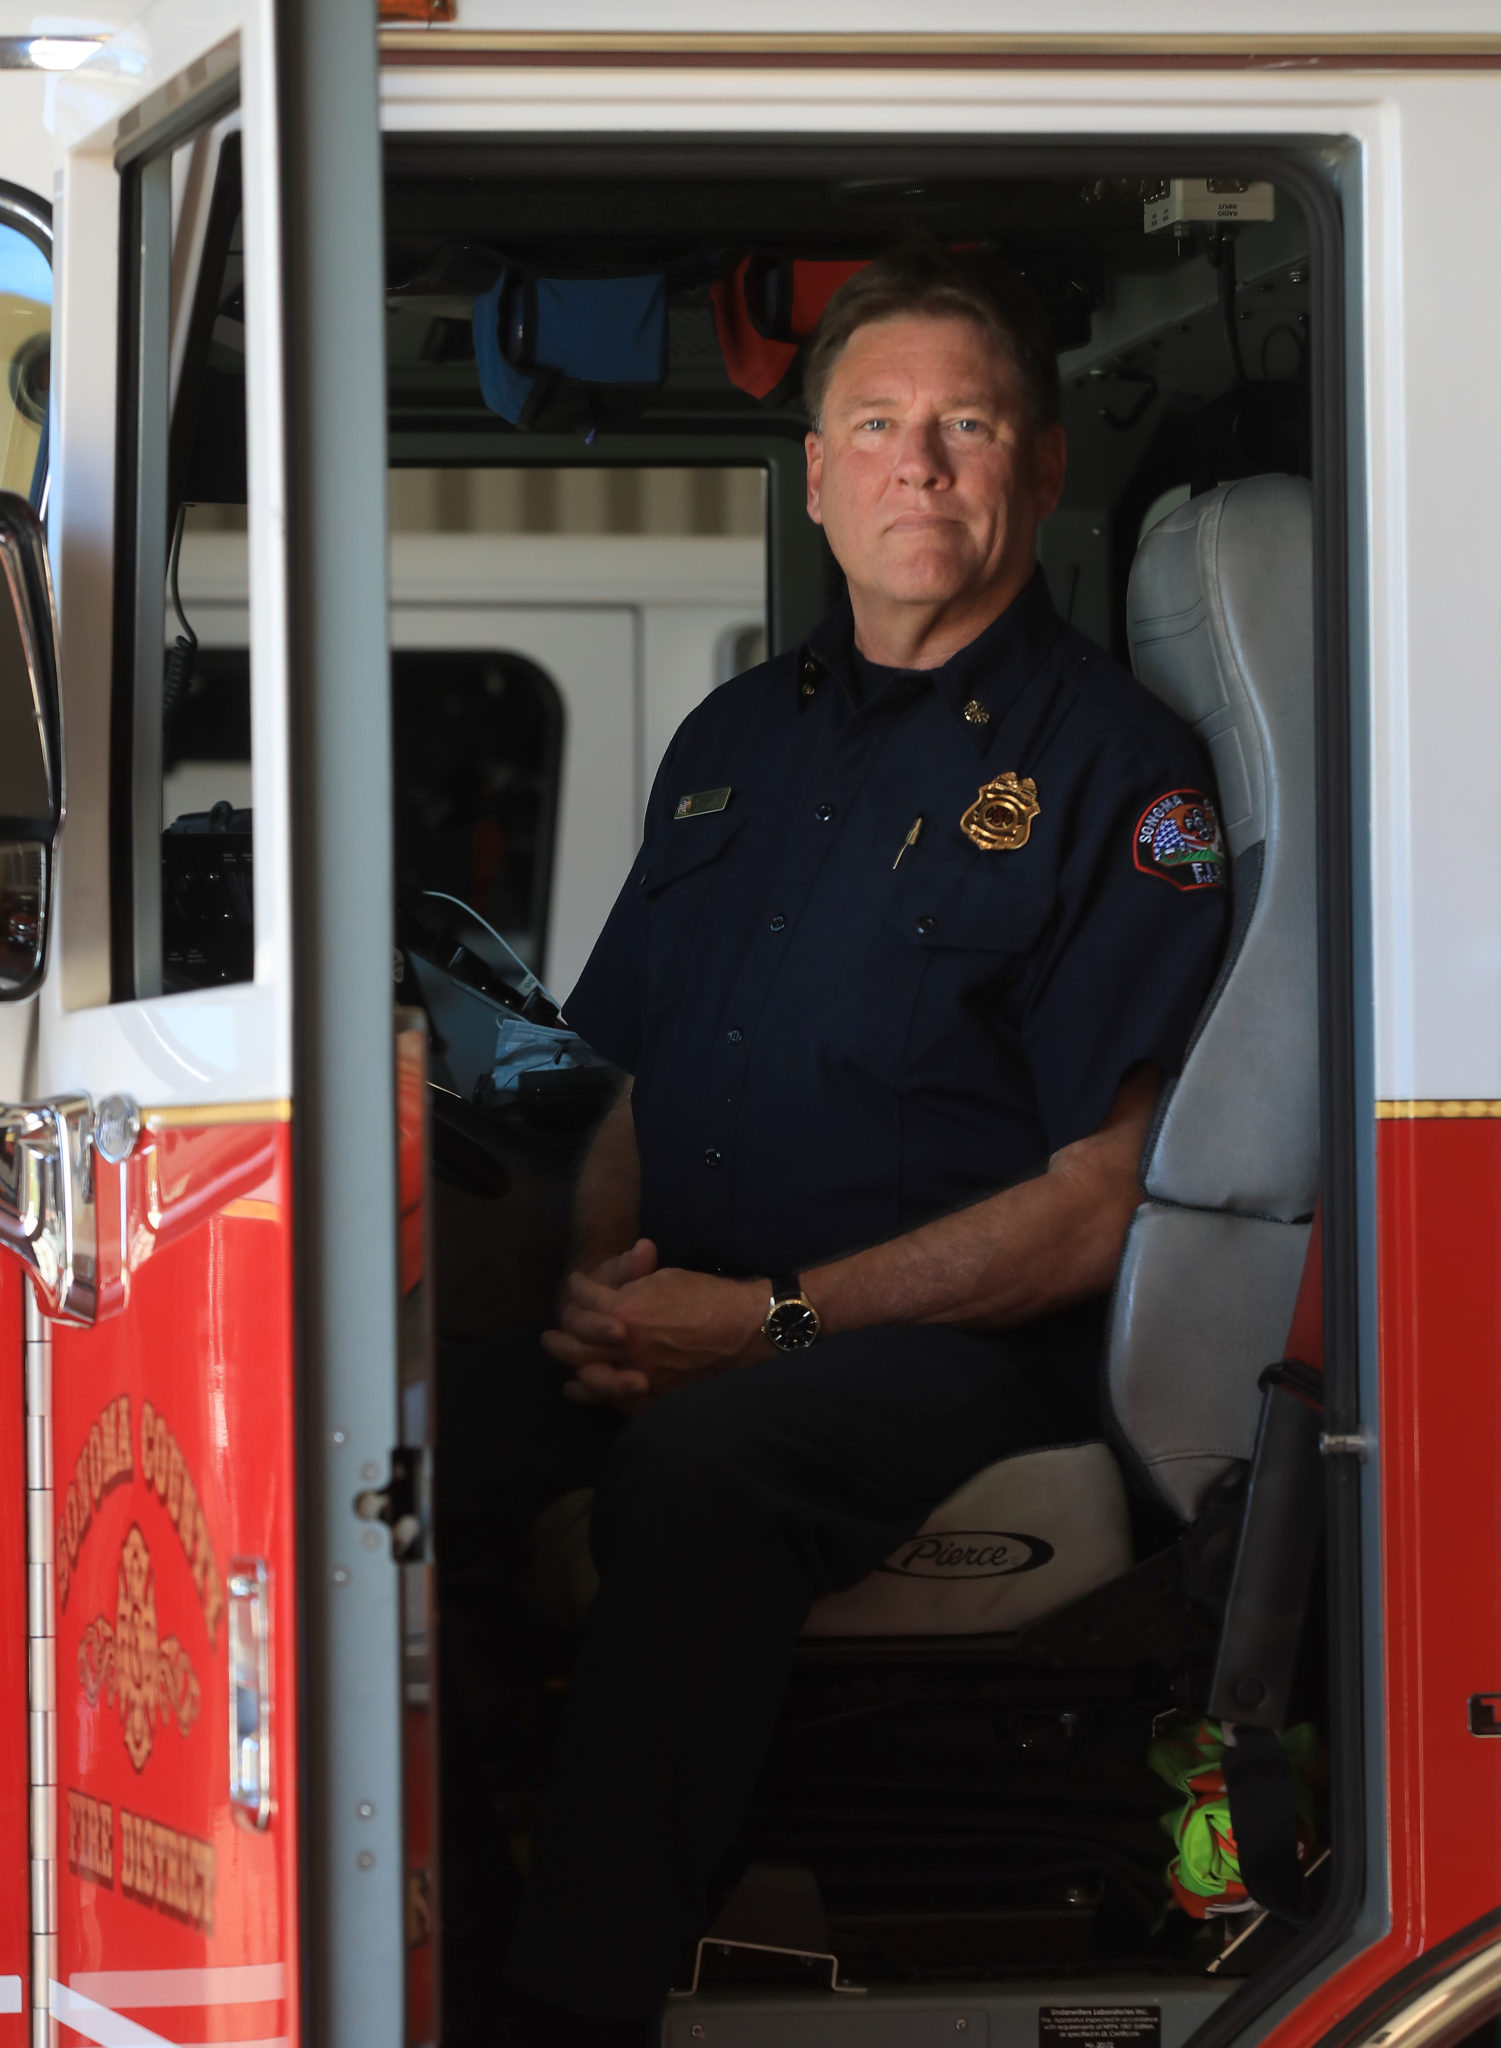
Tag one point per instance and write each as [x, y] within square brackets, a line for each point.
[249, 1692]
[47, 1214]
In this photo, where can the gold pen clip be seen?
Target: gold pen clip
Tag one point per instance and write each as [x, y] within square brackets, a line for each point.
[910, 840]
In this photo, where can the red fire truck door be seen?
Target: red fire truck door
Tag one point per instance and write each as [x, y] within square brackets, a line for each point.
[216, 1844]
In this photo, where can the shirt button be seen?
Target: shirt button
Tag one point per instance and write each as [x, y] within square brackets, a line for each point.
[713, 1158]
[824, 813]
[779, 923]
[926, 926]
[734, 1034]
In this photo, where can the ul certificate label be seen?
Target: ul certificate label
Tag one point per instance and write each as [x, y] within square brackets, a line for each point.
[1099, 2026]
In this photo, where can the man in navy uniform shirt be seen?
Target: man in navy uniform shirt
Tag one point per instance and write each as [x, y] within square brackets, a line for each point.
[923, 915]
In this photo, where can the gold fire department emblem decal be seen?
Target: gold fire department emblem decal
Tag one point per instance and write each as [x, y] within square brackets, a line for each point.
[150, 1676]
[1000, 817]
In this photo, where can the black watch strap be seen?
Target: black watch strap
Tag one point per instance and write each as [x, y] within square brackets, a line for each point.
[786, 1287]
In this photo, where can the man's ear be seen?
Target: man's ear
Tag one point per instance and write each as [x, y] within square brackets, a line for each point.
[813, 447]
[1049, 466]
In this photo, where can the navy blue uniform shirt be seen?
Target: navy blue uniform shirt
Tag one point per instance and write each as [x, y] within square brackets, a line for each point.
[831, 1045]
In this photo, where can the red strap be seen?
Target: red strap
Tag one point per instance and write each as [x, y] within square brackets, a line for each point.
[813, 285]
[1305, 1339]
[756, 363]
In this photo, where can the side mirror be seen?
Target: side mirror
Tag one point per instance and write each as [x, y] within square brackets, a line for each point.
[31, 800]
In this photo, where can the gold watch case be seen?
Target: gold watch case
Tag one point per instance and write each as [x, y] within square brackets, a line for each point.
[791, 1323]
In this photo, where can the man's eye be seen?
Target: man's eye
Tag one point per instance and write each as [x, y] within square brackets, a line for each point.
[969, 426]
[873, 426]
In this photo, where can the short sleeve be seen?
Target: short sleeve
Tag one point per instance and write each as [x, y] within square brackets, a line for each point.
[606, 1005]
[1132, 954]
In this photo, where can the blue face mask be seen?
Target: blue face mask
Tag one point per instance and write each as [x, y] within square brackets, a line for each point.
[503, 1043]
[523, 1048]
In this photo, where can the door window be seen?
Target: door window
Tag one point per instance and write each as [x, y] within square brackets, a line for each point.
[183, 880]
[478, 747]
[478, 767]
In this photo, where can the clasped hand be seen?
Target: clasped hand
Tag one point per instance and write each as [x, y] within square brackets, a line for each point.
[633, 1330]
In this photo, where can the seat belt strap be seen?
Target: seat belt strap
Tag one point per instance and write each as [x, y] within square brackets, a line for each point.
[1258, 1785]
[1268, 1596]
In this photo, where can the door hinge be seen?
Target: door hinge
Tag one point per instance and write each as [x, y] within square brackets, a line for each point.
[47, 1193]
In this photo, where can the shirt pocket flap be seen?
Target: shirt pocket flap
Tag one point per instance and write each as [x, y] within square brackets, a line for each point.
[687, 844]
[983, 912]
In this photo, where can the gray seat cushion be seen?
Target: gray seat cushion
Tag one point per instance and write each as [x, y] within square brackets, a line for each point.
[1202, 1303]
[1022, 1537]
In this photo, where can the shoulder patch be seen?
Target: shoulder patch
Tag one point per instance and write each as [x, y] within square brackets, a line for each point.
[1179, 838]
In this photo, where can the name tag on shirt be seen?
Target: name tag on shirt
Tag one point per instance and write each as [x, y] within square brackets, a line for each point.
[702, 803]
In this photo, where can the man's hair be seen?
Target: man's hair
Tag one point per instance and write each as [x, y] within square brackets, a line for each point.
[947, 284]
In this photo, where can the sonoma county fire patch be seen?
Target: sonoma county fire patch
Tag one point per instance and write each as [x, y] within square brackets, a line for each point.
[1179, 838]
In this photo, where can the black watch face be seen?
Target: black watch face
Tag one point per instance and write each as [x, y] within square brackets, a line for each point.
[792, 1326]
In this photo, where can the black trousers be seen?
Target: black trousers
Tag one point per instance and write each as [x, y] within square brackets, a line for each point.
[721, 1513]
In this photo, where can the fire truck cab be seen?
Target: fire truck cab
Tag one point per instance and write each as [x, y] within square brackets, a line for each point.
[341, 636]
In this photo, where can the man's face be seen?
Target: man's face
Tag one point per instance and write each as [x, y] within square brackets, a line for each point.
[929, 477]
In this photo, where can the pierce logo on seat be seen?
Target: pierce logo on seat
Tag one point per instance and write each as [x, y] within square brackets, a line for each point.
[967, 1554]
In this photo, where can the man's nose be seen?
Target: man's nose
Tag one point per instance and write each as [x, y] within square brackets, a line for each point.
[921, 458]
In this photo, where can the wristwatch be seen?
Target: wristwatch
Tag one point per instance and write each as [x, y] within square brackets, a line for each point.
[791, 1321]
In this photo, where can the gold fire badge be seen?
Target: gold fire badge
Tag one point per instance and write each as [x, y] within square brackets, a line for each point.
[1000, 818]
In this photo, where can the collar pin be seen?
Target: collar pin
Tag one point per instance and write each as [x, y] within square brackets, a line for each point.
[975, 712]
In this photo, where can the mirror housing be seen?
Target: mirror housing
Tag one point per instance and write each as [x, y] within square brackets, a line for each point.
[31, 791]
